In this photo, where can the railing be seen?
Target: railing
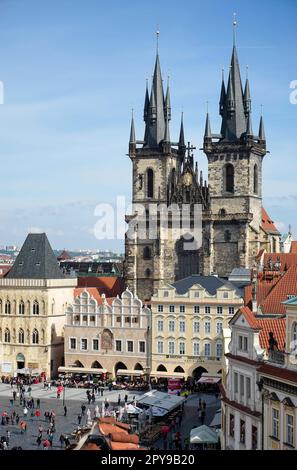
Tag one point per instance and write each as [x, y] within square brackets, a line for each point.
[277, 357]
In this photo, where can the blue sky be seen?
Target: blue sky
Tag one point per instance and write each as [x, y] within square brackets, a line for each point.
[72, 70]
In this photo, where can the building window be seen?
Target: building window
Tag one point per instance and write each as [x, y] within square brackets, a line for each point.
[207, 327]
[248, 388]
[84, 344]
[219, 350]
[147, 254]
[225, 295]
[207, 349]
[171, 324]
[92, 319]
[196, 294]
[235, 382]
[147, 272]
[142, 346]
[242, 431]
[256, 185]
[243, 343]
[150, 182]
[171, 308]
[207, 309]
[229, 178]
[231, 310]
[127, 319]
[275, 423]
[171, 347]
[6, 336]
[72, 343]
[118, 345]
[160, 308]
[95, 344]
[166, 293]
[220, 310]
[35, 336]
[21, 336]
[182, 326]
[241, 378]
[196, 326]
[7, 307]
[118, 319]
[160, 326]
[160, 347]
[182, 348]
[196, 349]
[182, 309]
[219, 327]
[289, 430]
[196, 309]
[231, 425]
[35, 308]
[130, 346]
[21, 308]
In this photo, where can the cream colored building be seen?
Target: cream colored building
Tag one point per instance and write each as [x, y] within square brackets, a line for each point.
[105, 336]
[188, 321]
[33, 299]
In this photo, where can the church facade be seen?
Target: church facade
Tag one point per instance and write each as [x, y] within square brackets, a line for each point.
[234, 225]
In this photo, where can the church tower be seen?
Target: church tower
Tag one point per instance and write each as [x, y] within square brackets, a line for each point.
[162, 174]
[235, 158]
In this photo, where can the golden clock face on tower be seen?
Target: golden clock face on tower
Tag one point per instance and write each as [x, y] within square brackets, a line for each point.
[187, 179]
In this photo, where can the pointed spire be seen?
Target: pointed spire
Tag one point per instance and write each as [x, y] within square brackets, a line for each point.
[262, 130]
[249, 130]
[247, 98]
[196, 171]
[207, 133]
[132, 131]
[167, 104]
[181, 142]
[201, 178]
[222, 95]
[146, 103]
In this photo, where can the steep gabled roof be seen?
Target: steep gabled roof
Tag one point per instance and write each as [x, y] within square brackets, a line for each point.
[36, 260]
[293, 248]
[267, 223]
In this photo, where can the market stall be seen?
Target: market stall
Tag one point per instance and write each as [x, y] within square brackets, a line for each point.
[205, 438]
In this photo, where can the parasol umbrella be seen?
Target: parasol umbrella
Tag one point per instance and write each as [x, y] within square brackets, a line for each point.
[37, 413]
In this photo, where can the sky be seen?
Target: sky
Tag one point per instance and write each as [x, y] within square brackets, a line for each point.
[72, 70]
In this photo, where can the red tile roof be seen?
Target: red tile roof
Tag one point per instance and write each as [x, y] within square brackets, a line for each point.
[280, 372]
[111, 286]
[267, 223]
[287, 285]
[93, 293]
[286, 260]
[293, 247]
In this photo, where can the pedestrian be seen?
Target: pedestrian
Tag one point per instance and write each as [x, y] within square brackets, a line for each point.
[39, 439]
[38, 403]
[65, 410]
[46, 444]
[126, 398]
[79, 419]
[102, 390]
[177, 441]
[62, 440]
[67, 442]
[83, 409]
[17, 419]
[200, 404]
[119, 400]
[11, 402]
[25, 411]
[7, 436]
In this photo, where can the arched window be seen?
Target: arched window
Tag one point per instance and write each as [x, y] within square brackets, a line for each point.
[35, 336]
[8, 307]
[222, 212]
[7, 336]
[227, 236]
[150, 182]
[21, 336]
[229, 178]
[147, 273]
[21, 308]
[147, 254]
[256, 183]
[36, 308]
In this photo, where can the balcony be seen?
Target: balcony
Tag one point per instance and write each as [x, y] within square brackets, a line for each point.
[277, 357]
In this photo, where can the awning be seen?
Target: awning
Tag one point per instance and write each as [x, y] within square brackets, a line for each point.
[209, 380]
[203, 435]
[174, 375]
[216, 422]
[81, 370]
[160, 400]
[130, 372]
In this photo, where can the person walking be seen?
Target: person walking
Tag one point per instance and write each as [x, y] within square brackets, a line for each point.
[83, 409]
[38, 403]
[119, 400]
[79, 417]
[38, 440]
[25, 411]
[126, 398]
[65, 410]
[62, 440]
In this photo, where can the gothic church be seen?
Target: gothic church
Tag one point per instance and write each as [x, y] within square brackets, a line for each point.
[235, 227]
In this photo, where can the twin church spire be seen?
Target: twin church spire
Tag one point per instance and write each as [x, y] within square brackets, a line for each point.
[235, 110]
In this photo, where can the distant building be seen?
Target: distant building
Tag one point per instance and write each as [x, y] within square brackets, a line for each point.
[33, 298]
[188, 321]
[109, 335]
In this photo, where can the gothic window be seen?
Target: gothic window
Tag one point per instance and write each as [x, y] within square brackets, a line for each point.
[35, 336]
[21, 308]
[227, 236]
[256, 179]
[150, 182]
[147, 254]
[229, 178]
[36, 308]
[7, 307]
[7, 336]
[222, 212]
[21, 336]
[147, 273]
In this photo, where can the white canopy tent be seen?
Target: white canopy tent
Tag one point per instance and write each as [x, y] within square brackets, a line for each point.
[81, 370]
[160, 400]
[216, 421]
[204, 435]
[127, 372]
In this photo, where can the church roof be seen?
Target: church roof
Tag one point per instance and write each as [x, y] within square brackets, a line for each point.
[210, 283]
[267, 223]
[293, 248]
[36, 260]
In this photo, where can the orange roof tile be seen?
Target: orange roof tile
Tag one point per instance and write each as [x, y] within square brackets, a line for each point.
[286, 260]
[111, 286]
[293, 248]
[267, 223]
[287, 285]
[91, 290]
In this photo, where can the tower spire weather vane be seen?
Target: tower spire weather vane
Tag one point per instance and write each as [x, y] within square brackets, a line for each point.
[157, 37]
[234, 28]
